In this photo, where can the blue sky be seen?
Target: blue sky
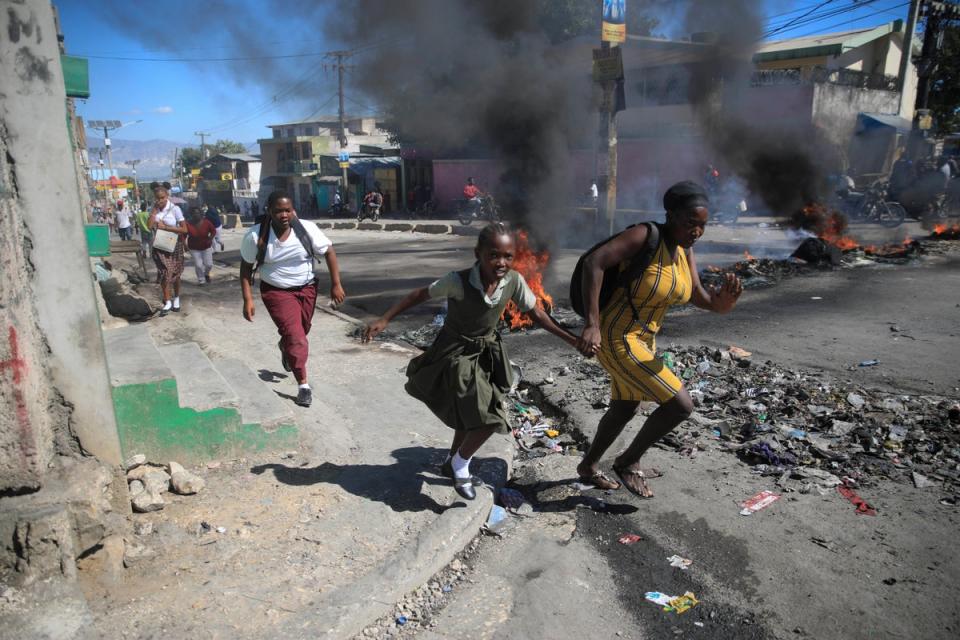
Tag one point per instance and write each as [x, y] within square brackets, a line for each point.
[175, 99]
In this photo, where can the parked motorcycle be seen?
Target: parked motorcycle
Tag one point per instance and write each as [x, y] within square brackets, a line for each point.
[871, 206]
[727, 210]
[480, 208]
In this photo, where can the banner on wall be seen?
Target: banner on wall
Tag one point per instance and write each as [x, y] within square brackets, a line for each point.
[614, 27]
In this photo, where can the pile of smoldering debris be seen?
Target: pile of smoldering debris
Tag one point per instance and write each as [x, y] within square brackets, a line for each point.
[813, 432]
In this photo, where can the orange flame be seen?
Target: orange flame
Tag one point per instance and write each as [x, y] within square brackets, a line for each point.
[943, 231]
[530, 264]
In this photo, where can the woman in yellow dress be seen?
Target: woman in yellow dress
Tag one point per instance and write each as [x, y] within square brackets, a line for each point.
[623, 334]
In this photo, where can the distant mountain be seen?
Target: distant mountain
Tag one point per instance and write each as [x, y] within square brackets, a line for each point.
[155, 155]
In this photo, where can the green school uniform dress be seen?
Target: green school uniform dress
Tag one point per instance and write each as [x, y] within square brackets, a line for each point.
[466, 372]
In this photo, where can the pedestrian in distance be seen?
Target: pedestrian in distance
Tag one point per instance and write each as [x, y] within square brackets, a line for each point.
[283, 249]
[124, 226]
[166, 216]
[465, 374]
[622, 334]
[213, 215]
[142, 220]
[200, 236]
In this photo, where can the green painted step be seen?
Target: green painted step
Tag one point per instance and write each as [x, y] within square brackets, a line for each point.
[172, 403]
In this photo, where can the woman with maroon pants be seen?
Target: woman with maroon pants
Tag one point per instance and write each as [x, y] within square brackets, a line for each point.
[288, 286]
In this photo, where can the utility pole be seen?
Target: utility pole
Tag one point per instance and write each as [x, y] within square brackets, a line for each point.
[340, 56]
[907, 53]
[136, 185]
[203, 144]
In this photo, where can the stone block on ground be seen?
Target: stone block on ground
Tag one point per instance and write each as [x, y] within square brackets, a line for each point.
[156, 481]
[147, 501]
[44, 544]
[132, 356]
[134, 552]
[134, 461]
[432, 228]
[123, 302]
[344, 225]
[183, 482]
[398, 226]
[370, 226]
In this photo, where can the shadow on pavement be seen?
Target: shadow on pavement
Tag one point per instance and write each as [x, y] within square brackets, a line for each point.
[398, 485]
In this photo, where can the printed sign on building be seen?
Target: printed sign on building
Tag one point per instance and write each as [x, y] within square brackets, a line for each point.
[614, 27]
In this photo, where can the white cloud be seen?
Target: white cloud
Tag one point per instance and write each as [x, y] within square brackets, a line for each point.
[135, 111]
[163, 109]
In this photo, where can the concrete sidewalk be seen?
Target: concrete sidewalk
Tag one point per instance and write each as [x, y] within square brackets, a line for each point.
[321, 540]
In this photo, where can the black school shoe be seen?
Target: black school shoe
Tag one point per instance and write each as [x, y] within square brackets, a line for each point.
[446, 470]
[465, 488]
[304, 397]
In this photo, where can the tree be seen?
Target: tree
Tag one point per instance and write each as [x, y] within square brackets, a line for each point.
[189, 158]
[565, 19]
[945, 85]
[226, 146]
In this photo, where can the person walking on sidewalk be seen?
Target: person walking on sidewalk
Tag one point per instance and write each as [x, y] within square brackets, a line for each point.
[217, 221]
[167, 217]
[283, 248]
[200, 235]
[142, 218]
[623, 334]
[465, 374]
[124, 226]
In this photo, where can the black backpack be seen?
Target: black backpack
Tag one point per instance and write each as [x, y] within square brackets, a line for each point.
[613, 278]
[264, 237]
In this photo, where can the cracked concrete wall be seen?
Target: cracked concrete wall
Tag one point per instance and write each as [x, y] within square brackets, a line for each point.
[54, 388]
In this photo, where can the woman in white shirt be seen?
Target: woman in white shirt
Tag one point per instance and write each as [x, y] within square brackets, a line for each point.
[288, 286]
[167, 216]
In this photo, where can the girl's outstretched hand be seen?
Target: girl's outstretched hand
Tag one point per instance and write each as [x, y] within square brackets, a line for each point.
[373, 329]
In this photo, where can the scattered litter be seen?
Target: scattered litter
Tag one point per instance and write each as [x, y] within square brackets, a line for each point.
[656, 597]
[863, 507]
[499, 521]
[629, 538]
[760, 501]
[221, 529]
[677, 604]
[511, 498]
[869, 363]
[737, 352]
[668, 361]
[920, 481]
[401, 620]
[816, 298]
[683, 603]
[678, 562]
[447, 588]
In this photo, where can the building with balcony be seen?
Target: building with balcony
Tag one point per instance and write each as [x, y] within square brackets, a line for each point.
[301, 158]
[231, 181]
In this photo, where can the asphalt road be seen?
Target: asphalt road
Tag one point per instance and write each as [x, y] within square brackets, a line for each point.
[562, 572]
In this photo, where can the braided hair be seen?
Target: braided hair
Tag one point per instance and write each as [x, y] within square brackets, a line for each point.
[491, 231]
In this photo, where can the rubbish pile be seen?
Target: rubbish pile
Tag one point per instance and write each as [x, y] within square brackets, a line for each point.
[813, 434]
[148, 482]
[536, 434]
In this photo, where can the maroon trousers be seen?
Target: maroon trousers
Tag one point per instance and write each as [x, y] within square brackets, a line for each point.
[292, 312]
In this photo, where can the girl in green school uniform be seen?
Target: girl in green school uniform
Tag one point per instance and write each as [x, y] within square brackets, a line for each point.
[464, 376]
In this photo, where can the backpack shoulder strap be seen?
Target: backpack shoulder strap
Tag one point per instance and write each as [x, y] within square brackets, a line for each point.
[303, 236]
[639, 263]
[262, 239]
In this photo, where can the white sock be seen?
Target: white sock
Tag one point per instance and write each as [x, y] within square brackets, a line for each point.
[166, 305]
[461, 467]
[304, 386]
[176, 301]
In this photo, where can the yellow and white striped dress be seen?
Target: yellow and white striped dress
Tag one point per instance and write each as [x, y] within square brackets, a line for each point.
[628, 347]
